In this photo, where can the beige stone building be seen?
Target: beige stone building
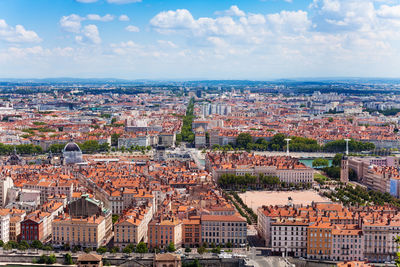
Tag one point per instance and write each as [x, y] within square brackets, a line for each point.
[164, 231]
[132, 227]
[221, 229]
[87, 224]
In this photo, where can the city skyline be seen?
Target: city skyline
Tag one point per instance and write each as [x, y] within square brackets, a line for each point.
[259, 40]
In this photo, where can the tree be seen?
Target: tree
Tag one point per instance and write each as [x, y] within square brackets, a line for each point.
[188, 250]
[68, 259]
[243, 140]
[87, 250]
[320, 162]
[56, 148]
[36, 244]
[278, 141]
[101, 250]
[127, 250]
[201, 250]
[51, 259]
[141, 248]
[171, 247]
[115, 218]
[48, 248]
[42, 259]
[1, 243]
[337, 160]
[216, 250]
[23, 245]
[13, 244]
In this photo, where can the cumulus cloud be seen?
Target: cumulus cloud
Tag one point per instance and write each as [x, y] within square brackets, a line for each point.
[232, 11]
[386, 11]
[71, 23]
[84, 34]
[356, 37]
[123, 18]
[131, 28]
[90, 34]
[105, 18]
[289, 21]
[17, 34]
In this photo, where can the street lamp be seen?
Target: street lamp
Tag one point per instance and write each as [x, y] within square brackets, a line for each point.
[287, 146]
[347, 146]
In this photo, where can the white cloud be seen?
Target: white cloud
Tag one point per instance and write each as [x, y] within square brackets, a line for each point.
[289, 21]
[105, 18]
[356, 37]
[123, 18]
[131, 28]
[92, 33]
[232, 11]
[386, 11]
[17, 34]
[173, 20]
[168, 44]
[71, 23]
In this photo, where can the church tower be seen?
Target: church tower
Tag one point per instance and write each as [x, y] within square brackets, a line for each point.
[344, 170]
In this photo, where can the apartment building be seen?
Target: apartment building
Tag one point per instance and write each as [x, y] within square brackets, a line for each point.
[379, 239]
[4, 226]
[36, 226]
[87, 224]
[289, 237]
[137, 140]
[223, 229]
[163, 231]
[132, 227]
[49, 188]
[191, 232]
[87, 232]
[347, 243]
[6, 183]
[319, 236]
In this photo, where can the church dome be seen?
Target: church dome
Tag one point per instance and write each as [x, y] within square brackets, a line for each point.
[72, 147]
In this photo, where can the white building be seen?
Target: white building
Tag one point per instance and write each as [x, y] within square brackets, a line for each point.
[223, 229]
[289, 237]
[4, 226]
[347, 243]
[5, 184]
[379, 240]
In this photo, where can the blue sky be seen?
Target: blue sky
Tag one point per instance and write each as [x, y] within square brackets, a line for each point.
[199, 39]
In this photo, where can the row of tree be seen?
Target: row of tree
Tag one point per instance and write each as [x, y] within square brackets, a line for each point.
[245, 207]
[23, 149]
[278, 143]
[186, 133]
[233, 181]
[87, 147]
[350, 195]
